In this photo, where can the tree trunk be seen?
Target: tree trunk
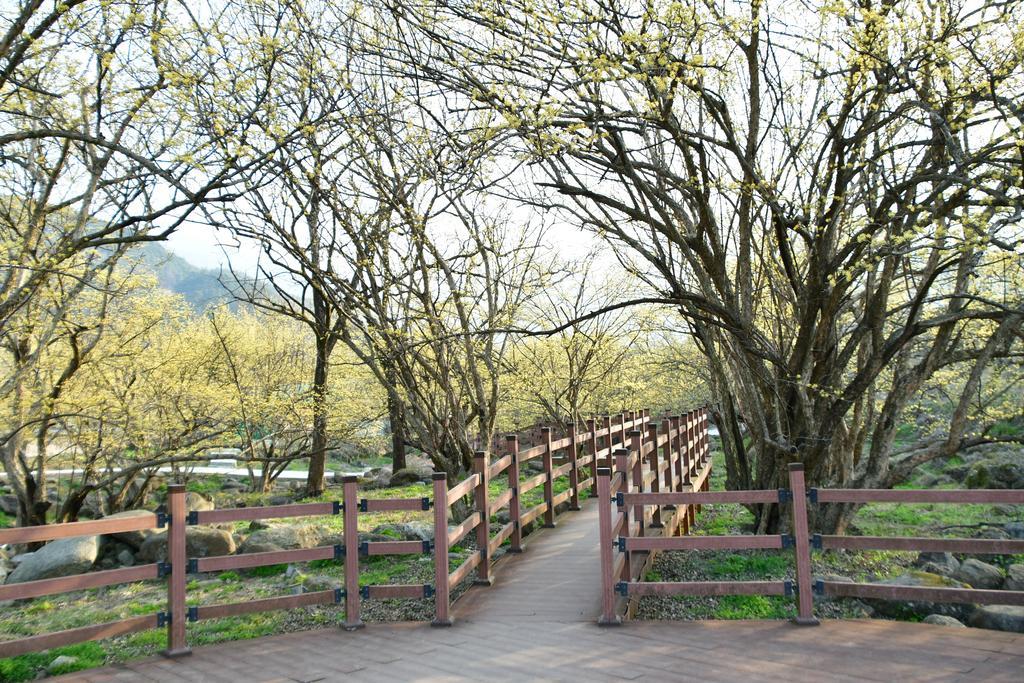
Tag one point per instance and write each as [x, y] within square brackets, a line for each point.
[396, 419]
[318, 451]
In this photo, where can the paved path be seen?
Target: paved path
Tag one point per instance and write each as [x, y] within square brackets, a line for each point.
[537, 623]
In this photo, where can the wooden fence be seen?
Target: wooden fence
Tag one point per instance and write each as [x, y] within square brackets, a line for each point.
[576, 455]
[618, 494]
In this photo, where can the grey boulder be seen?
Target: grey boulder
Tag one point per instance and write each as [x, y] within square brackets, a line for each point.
[64, 557]
[979, 574]
[999, 618]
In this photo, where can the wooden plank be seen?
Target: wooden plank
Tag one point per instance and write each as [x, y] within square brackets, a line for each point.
[978, 546]
[64, 584]
[561, 443]
[532, 483]
[585, 484]
[265, 512]
[984, 496]
[49, 532]
[393, 548]
[919, 593]
[704, 543]
[706, 588]
[464, 569]
[561, 497]
[531, 453]
[265, 605]
[533, 513]
[463, 488]
[457, 533]
[13, 648]
[561, 470]
[216, 564]
[499, 538]
[390, 504]
[500, 502]
[499, 465]
[411, 591]
[702, 497]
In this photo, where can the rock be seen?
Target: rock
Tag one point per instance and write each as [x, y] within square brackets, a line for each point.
[942, 620]
[233, 485]
[61, 664]
[376, 478]
[125, 558]
[535, 465]
[1014, 578]
[257, 524]
[979, 574]
[503, 516]
[200, 541]
[999, 618]
[280, 500]
[411, 531]
[318, 582]
[943, 564]
[1014, 529]
[9, 505]
[133, 538]
[405, 477]
[914, 577]
[198, 502]
[18, 559]
[993, 474]
[64, 557]
[281, 537]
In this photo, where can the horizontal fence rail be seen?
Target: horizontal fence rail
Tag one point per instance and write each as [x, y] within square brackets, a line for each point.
[581, 446]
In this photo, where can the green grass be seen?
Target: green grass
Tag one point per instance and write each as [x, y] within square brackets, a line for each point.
[6, 520]
[735, 566]
[753, 607]
[207, 485]
[25, 667]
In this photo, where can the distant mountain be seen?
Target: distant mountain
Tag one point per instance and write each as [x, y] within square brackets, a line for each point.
[199, 286]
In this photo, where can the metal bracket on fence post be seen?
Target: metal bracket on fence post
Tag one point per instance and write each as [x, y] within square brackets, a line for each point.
[192, 518]
[339, 552]
[812, 495]
[162, 619]
[163, 569]
[364, 548]
[425, 503]
[621, 544]
[785, 496]
[428, 546]
[161, 517]
[816, 541]
[363, 505]
[622, 588]
[620, 498]
[788, 588]
[192, 566]
[339, 595]
[819, 587]
[364, 592]
[337, 508]
[193, 614]
[428, 590]
[788, 541]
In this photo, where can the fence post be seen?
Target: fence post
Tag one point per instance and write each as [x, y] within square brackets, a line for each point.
[441, 598]
[637, 446]
[350, 500]
[549, 491]
[604, 510]
[622, 429]
[592, 449]
[652, 431]
[176, 555]
[483, 529]
[606, 421]
[802, 547]
[515, 505]
[574, 471]
[622, 474]
[677, 452]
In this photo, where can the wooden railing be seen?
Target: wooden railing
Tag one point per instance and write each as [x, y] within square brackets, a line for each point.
[670, 460]
[618, 493]
[560, 457]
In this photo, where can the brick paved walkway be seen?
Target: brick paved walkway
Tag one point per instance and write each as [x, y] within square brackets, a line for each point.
[537, 623]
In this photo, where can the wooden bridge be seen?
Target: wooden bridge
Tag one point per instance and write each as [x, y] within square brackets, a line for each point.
[538, 616]
[539, 622]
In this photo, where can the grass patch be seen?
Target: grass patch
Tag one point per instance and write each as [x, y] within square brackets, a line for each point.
[25, 667]
[753, 607]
